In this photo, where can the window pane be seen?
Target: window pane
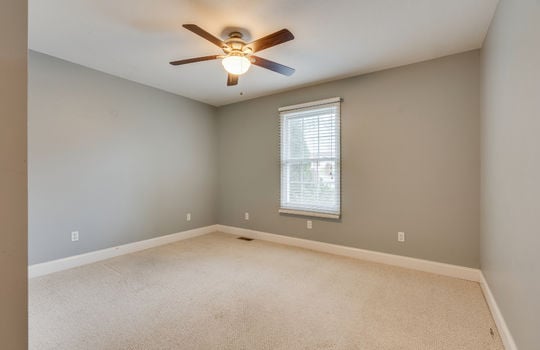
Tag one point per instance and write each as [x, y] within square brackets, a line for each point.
[310, 158]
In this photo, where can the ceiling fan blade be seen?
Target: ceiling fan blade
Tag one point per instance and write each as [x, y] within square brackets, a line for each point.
[192, 60]
[232, 79]
[274, 39]
[203, 33]
[273, 66]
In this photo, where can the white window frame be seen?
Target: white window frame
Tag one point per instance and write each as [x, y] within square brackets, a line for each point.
[285, 206]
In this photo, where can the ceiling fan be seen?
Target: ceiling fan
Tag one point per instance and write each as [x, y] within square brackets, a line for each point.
[238, 55]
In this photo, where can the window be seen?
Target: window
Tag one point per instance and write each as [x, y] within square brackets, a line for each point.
[310, 159]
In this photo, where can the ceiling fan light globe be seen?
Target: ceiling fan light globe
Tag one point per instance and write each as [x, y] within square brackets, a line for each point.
[236, 65]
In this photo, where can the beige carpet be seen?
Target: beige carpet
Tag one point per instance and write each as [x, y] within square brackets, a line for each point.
[218, 292]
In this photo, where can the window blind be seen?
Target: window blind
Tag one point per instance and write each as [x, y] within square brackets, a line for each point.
[310, 159]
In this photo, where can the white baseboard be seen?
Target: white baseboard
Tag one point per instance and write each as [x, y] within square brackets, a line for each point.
[103, 254]
[504, 332]
[357, 253]
[456, 271]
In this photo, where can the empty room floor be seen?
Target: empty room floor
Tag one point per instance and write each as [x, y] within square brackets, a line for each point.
[219, 292]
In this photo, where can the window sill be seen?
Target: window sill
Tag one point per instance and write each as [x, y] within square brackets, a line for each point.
[309, 213]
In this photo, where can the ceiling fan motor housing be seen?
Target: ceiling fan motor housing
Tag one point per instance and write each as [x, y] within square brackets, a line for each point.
[236, 44]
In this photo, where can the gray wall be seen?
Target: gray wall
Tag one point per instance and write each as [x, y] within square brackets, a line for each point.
[13, 214]
[510, 239]
[411, 155]
[121, 162]
[115, 160]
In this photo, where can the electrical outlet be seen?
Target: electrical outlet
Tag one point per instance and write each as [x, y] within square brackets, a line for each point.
[401, 236]
[246, 216]
[309, 224]
[74, 236]
[188, 217]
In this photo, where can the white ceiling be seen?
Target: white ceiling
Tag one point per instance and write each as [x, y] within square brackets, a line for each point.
[135, 39]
